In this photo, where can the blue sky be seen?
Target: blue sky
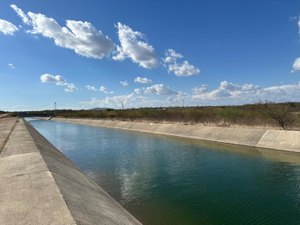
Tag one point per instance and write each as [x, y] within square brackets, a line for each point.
[85, 54]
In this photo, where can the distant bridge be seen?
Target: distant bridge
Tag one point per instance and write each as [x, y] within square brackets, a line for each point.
[36, 114]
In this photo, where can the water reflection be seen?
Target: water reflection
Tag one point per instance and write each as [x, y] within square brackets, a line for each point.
[270, 154]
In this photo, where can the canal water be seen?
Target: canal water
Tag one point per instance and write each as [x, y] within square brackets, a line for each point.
[170, 181]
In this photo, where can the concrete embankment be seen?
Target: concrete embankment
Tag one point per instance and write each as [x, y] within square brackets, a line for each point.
[6, 127]
[39, 185]
[255, 137]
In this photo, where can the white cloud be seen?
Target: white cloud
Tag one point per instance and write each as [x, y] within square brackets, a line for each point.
[11, 66]
[229, 93]
[158, 89]
[296, 65]
[133, 46]
[142, 80]
[235, 94]
[182, 69]
[171, 56]
[124, 83]
[58, 80]
[70, 87]
[127, 101]
[138, 91]
[105, 90]
[224, 85]
[21, 14]
[200, 89]
[7, 27]
[225, 90]
[299, 25]
[226, 93]
[81, 37]
[91, 88]
[102, 89]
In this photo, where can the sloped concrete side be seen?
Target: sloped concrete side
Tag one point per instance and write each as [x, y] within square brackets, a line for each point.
[281, 140]
[255, 137]
[39, 185]
[239, 136]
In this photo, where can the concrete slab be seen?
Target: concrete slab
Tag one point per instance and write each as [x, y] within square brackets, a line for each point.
[6, 126]
[16, 165]
[32, 199]
[19, 142]
[280, 140]
[40, 186]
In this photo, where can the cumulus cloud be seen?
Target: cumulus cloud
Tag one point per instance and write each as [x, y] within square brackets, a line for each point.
[171, 56]
[142, 80]
[230, 93]
[102, 89]
[200, 89]
[181, 69]
[298, 25]
[11, 66]
[81, 37]
[133, 46]
[124, 83]
[70, 87]
[7, 27]
[105, 90]
[296, 65]
[225, 90]
[127, 101]
[21, 14]
[85, 40]
[91, 88]
[227, 93]
[158, 89]
[138, 91]
[58, 80]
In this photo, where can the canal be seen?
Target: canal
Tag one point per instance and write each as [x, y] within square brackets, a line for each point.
[171, 181]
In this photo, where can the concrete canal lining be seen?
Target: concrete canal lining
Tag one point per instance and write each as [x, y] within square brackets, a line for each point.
[245, 136]
[39, 185]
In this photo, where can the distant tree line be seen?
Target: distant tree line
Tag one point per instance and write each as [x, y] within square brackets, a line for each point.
[267, 114]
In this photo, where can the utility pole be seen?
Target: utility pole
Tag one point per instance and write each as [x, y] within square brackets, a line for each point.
[54, 109]
[122, 104]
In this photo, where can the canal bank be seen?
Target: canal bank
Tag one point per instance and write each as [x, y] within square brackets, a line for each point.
[284, 140]
[39, 185]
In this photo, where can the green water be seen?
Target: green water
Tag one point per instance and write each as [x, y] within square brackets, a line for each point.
[169, 181]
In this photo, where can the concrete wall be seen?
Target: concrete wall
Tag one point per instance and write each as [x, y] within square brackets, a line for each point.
[39, 185]
[256, 137]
